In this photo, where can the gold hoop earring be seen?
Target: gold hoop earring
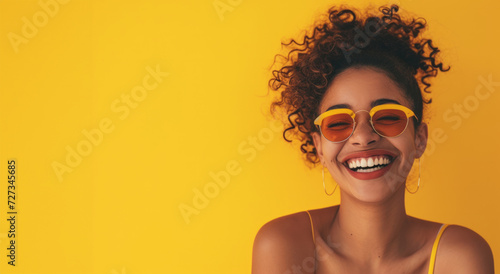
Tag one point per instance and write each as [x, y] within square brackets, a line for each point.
[418, 182]
[324, 186]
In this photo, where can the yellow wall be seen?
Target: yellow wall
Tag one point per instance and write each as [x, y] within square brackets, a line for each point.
[118, 112]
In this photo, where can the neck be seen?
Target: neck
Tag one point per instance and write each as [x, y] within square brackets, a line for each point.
[369, 231]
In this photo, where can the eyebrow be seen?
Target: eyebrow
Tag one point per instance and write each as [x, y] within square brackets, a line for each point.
[339, 106]
[375, 103]
[384, 101]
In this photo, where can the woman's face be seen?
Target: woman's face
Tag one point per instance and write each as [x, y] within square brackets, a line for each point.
[361, 89]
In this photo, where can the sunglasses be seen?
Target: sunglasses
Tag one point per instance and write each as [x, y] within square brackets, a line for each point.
[387, 120]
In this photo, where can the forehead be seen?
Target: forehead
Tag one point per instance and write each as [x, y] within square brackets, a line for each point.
[360, 87]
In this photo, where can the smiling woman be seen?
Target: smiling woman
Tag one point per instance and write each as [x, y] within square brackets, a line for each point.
[354, 93]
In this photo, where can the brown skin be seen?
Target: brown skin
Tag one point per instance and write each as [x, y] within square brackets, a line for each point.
[285, 244]
[370, 231]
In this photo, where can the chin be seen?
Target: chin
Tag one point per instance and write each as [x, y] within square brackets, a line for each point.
[375, 191]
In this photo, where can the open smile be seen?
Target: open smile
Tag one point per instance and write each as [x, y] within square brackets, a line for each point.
[368, 165]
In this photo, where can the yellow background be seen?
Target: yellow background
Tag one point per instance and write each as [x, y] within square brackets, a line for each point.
[117, 211]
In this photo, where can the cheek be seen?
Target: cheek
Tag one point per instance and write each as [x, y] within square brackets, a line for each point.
[331, 151]
[408, 152]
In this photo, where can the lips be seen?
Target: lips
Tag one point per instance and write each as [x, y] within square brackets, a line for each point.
[366, 165]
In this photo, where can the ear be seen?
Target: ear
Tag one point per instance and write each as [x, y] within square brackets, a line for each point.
[318, 145]
[421, 136]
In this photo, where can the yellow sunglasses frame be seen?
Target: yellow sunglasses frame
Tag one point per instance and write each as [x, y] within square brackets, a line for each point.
[408, 112]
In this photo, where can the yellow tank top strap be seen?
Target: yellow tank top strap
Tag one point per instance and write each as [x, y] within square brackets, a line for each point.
[312, 226]
[434, 248]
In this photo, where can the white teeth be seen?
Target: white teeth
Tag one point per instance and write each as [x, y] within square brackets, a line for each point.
[369, 169]
[363, 162]
[370, 162]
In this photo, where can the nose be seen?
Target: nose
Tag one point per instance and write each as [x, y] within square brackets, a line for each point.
[363, 134]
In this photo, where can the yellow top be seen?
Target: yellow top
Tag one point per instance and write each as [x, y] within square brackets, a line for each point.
[434, 247]
[312, 226]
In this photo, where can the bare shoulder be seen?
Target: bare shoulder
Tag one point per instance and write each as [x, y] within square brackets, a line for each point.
[283, 245]
[462, 250]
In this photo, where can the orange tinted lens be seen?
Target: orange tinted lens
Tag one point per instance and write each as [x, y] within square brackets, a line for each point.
[389, 122]
[338, 127]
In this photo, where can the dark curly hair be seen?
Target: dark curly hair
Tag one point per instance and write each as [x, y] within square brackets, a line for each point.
[347, 39]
